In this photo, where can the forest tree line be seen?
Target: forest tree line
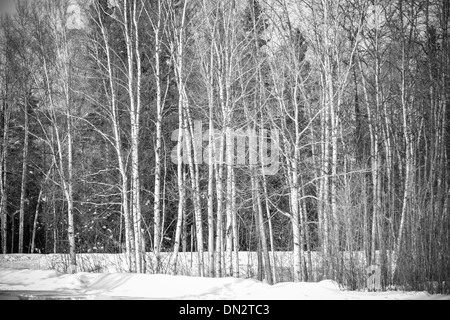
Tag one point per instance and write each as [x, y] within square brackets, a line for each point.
[121, 122]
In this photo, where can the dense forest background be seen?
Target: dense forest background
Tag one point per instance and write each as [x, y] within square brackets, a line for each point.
[314, 127]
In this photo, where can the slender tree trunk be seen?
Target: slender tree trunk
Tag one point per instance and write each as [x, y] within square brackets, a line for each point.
[374, 168]
[218, 166]
[377, 155]
[236, 270]
[257, 232]
[139, 236]
[208, 74]
[129, 233]
[331, 133]
[253, 160]
[134, 91]
[36, 214]
[378, 206]
[13, 231]
[224, 234]
[365, 221]
[55, 225]
[181, 217]
[297, 213]
[178, 56]
[296, 224]
[324, 188]
[309, 273]
[67, 178]
[3, 178]
[408, 147]
[253, 143]
[184, 233]
[334, 179]
[271, 234]
[69, 196]
[211, 157]
[3, 215]
[24, 182]
[191, 143]
[159, 114]
[263, 237]
[229, 207]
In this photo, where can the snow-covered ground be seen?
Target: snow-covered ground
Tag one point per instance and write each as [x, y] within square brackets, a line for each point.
[132, 286]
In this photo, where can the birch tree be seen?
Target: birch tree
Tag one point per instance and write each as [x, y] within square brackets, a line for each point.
[54, 47]
[111, 91]
[4, 142]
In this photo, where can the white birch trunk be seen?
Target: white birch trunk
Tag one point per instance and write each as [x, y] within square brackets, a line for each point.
[129, 234]
[3, 178]
[24, 176]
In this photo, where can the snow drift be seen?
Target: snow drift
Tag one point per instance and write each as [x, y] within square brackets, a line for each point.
[161, 287]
